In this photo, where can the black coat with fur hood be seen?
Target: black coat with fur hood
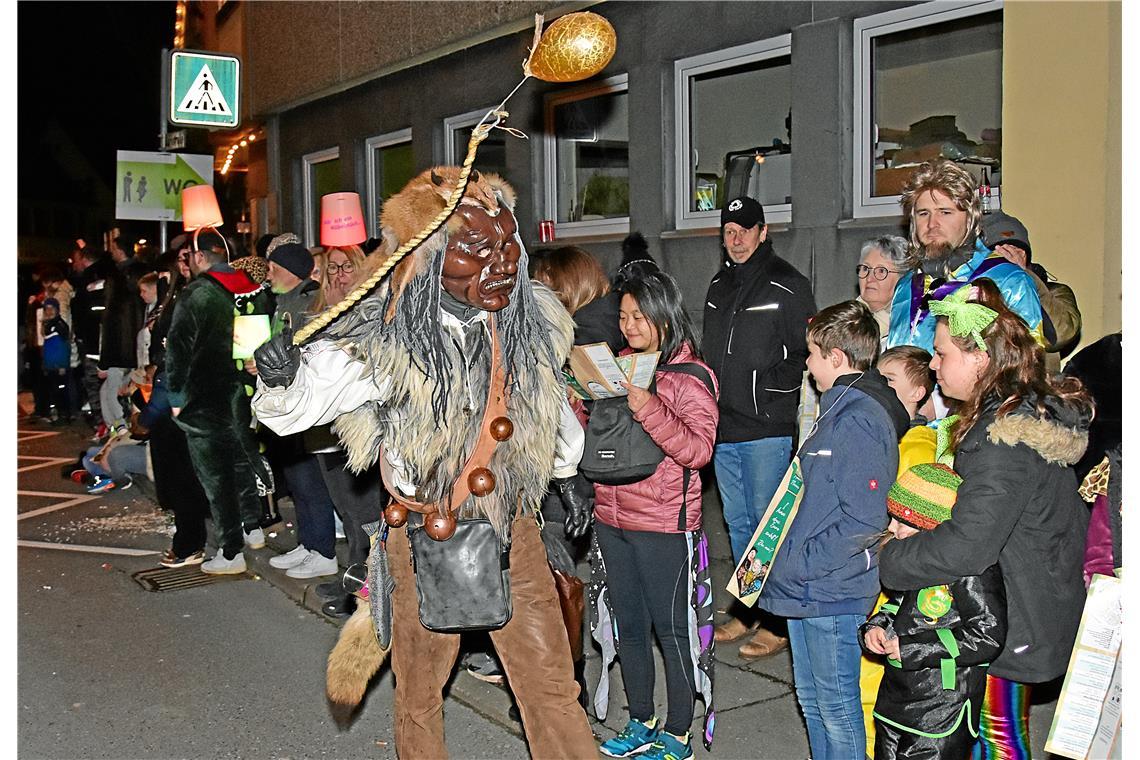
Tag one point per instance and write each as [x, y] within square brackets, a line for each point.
[1017, 506]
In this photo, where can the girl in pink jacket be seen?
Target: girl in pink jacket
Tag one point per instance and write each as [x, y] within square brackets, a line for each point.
[651, 574]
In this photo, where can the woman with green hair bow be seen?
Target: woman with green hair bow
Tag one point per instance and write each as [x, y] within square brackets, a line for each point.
[1017, 432]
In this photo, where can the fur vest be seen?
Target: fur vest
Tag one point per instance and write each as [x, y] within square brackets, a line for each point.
[429, 443]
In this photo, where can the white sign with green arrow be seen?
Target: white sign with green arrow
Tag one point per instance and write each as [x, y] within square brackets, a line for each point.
[149, 185]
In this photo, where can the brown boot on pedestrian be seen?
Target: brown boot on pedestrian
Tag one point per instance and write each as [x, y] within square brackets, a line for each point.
[763, 644]
[732, 630]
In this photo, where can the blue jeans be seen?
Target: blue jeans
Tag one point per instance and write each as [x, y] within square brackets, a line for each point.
[747, 474]
[825, 667]
[316, 528]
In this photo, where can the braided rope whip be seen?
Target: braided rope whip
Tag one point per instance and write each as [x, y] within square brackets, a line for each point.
[322, 320]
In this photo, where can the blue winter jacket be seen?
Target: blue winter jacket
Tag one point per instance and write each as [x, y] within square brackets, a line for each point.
[828, 563]
[1016, 286]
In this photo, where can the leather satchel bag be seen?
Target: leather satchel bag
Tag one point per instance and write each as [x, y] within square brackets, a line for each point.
[463, 583]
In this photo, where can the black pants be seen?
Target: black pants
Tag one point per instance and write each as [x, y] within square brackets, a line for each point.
[177, 488]
[228, 481]
[56, 389]
[90, 382]
[648, 578]
[891, 742]
[357, 498]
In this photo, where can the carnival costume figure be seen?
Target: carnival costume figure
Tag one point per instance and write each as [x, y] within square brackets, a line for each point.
[449, 374]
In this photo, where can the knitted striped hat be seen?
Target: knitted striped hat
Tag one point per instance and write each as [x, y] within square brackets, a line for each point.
[923, 496]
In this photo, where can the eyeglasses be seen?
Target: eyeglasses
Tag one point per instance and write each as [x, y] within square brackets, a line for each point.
[864, 271]
[347, 267]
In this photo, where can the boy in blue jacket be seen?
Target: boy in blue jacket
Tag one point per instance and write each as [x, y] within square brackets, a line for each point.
[825, 578]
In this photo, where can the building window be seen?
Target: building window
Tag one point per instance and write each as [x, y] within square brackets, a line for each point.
[390, 165]
[928, 82]
[321, 177]
[733, 127]
[586, 149]
[492, 155]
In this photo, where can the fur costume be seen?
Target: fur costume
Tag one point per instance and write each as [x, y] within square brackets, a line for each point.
[431, 416]
[437, 389]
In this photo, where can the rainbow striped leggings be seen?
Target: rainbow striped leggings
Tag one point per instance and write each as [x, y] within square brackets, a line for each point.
[1004, 731]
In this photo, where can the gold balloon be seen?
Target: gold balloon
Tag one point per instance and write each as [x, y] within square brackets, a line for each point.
[576, 46]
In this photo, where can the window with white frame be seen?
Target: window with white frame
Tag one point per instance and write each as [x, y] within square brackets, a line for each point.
[389, 166]
[586, 149]
[733, 126]
[321, 176]
[492, 155]
[928, 84]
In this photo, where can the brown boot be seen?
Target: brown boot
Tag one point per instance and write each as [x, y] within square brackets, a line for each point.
[732, 630]
[763, 644]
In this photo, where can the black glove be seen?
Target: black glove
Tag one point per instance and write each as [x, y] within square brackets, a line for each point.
[577, 496]
[278, 359]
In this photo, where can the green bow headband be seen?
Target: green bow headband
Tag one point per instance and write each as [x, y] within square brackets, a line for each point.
[964, 317]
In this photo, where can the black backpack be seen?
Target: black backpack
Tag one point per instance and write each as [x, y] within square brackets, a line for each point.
[618, 451]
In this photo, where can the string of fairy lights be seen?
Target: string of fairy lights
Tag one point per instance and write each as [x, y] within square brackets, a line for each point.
[239, 143]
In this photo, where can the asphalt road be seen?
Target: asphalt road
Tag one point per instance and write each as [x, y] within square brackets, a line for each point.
[234, 669]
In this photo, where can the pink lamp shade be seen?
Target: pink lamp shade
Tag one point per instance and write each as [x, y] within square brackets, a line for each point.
[342, 222]
[200, 208]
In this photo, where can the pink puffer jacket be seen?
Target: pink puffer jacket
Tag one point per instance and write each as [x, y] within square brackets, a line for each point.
[681, 418]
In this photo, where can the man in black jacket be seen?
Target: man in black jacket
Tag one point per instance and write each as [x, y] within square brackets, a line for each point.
[755, 328]
[90, 271]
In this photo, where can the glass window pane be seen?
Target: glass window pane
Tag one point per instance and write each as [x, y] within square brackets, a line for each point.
[740, 127]
[324, 179]
[394, 168]
[592, 155]
[937, 92]
[492, 155]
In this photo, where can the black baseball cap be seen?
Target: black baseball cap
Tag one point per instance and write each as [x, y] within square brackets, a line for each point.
[743, 211]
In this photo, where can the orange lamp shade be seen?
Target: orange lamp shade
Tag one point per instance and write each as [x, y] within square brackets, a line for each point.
[200, 208]
[342, 222]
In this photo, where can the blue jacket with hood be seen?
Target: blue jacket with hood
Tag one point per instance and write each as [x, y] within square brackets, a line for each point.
[828, 563]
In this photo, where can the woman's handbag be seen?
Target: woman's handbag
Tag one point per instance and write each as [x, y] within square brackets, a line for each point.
[463, 583]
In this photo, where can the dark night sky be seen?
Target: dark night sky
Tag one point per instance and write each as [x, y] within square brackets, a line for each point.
[94, 68]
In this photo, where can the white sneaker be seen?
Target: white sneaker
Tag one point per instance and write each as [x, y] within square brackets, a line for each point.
[312, 566]
[290, 558]
[254, 539]
[219, 565]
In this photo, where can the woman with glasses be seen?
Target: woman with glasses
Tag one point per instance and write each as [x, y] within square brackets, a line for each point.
[343, 268]
[355, 496]
[882, 261]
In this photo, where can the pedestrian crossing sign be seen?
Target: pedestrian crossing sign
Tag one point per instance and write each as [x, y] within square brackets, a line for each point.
[205, 89]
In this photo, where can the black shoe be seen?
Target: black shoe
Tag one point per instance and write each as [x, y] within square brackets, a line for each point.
[329, 590]
[340, 608]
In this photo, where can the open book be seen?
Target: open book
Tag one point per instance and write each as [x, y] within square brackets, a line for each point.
[595, 372]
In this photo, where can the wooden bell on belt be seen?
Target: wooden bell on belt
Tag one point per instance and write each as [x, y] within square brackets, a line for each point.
[396, 514]
[439, 525]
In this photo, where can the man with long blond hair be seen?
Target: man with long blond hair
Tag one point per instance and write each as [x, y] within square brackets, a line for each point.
[945, 211]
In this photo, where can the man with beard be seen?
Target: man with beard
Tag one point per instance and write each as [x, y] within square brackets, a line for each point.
[454, 358]
[945, 213]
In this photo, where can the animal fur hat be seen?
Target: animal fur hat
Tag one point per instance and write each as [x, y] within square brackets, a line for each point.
[409, 211]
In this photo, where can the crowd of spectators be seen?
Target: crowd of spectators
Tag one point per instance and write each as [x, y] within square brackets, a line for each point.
[955, 331]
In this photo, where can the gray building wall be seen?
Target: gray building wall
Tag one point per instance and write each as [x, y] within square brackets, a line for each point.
[822, 240]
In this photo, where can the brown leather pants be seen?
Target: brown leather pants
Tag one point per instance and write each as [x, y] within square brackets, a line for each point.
[532, 647]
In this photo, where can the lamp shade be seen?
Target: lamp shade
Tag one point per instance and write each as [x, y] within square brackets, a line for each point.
[200, 208]
[342, 222]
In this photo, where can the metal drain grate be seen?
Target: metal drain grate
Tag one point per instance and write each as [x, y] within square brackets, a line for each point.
[177, 578]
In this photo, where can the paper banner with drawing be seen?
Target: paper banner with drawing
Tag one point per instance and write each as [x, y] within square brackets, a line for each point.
[752, 572]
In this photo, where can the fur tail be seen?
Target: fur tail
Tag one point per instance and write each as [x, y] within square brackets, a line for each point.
[355, 658]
